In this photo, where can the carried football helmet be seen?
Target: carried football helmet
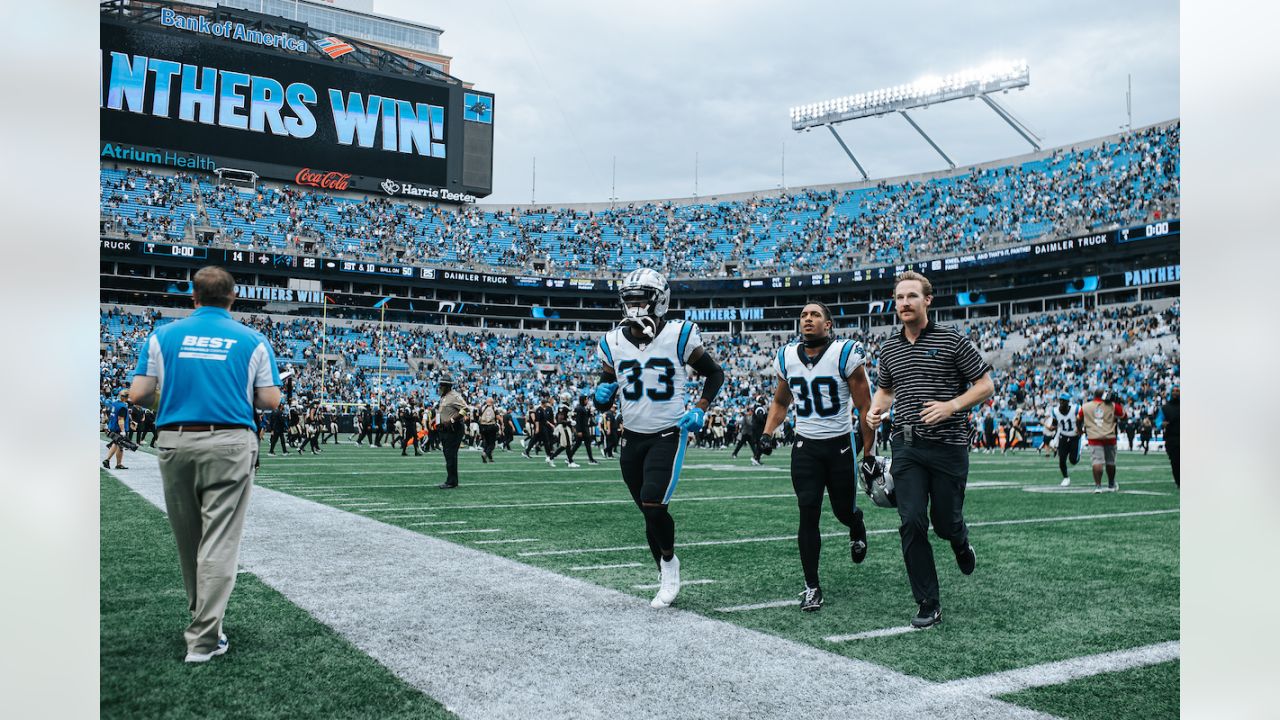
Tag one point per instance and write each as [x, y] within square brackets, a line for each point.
[879, 483]
[649, 287]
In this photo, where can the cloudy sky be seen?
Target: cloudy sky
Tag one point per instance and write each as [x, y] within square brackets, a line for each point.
[657, 83]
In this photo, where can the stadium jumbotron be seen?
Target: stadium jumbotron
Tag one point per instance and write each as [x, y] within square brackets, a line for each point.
[489, 412]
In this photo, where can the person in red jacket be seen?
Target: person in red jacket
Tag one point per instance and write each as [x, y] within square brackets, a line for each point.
[1100, 419]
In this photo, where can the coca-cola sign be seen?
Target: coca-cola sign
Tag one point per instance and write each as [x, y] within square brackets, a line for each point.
[330, 180]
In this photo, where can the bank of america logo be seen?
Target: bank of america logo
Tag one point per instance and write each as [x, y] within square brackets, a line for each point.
[334, 47]
[477, 108]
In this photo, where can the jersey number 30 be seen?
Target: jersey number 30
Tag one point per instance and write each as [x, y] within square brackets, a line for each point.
[632, 371]
[824, 398]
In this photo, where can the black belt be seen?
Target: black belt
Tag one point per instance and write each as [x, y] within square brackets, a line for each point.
[203, 427]
[909, 436]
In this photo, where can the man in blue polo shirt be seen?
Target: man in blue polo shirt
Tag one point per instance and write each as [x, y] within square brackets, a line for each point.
[211, 372]
[117, 422]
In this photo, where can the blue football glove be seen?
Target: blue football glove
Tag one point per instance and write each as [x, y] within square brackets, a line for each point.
[605, 392]
[692, 420]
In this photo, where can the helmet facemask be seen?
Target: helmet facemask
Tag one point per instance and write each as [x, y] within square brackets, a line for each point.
[645, 295]
[637, 310]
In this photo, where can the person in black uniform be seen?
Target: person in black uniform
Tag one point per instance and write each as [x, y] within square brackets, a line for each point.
[563, 433]
[507, 428]
[583, 429]
[328, 426]
[752, 428]
[148, 426]
[611, 433]
[379, 425]
[544, 420]
[451, 422]
[1172, 446]
[365, 420]
[932, 375]
[409, 420]
[279, 428]
[135, 423]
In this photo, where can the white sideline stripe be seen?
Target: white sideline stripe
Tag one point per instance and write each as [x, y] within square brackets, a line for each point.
[883, 632]
[609, 566]
[1063, 671]
[886, 531]
[628, 501]
[437, 522]
[469, 530]
[655, 586]
[358, 504]
[405, 508]
[499, 542]
[760, 606]
[407, 516]
[369, 582]
[612, 481]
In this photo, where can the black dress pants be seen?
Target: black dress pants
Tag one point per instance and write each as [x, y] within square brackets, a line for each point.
[929, 479]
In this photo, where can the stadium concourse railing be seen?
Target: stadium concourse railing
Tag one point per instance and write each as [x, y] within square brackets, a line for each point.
[1160, 210]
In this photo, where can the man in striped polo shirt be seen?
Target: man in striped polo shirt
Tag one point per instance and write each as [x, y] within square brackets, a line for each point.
[934, 374]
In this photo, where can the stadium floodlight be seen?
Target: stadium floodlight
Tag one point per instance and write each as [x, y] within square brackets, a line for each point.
[979, 82]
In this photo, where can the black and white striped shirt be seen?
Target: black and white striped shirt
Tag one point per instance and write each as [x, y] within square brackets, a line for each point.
[940, 365]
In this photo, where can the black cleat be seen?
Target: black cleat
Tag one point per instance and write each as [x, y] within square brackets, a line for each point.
[107, 463]
[858, 550]
[930, 614]
[967, 559]
[447, 486]
[811, 599]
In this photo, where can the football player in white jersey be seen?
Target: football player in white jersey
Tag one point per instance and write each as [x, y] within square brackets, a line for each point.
[823, 377]
[644, 361]
[1068, 435]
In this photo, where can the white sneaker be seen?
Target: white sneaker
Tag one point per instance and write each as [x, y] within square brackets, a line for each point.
[206, 657]
[756, 462]
[573, 464]
[551, 462]
[1065, 482]
[670, 584]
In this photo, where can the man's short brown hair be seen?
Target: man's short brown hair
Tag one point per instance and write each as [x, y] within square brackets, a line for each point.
[913, 275]
[214, 286]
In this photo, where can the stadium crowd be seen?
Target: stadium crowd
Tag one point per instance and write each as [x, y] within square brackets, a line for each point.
[1132, 351]
[1130, 180]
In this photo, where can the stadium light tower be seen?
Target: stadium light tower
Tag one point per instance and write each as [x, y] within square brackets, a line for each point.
[979, 82]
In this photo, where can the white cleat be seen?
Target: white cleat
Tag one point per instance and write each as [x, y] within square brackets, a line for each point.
[756, 462]
[669, 585]
[1065, 482]
[573, 465]
[551, 462]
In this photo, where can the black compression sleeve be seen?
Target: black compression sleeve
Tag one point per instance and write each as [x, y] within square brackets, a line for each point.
[709, 369]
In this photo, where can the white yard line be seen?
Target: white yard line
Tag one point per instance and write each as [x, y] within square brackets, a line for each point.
[655, 586]
[609, 566]
[501, 542]
[842, 533]
[438, 522]
[469, 530]
[869, 634]
[794, 602]
[1062, 671]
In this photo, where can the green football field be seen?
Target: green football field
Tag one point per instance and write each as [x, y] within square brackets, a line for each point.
[1062, 573]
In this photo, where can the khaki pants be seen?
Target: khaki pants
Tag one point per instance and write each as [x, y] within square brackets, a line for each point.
[207, 476]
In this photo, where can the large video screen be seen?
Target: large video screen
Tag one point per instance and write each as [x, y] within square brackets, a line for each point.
[290, 111]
